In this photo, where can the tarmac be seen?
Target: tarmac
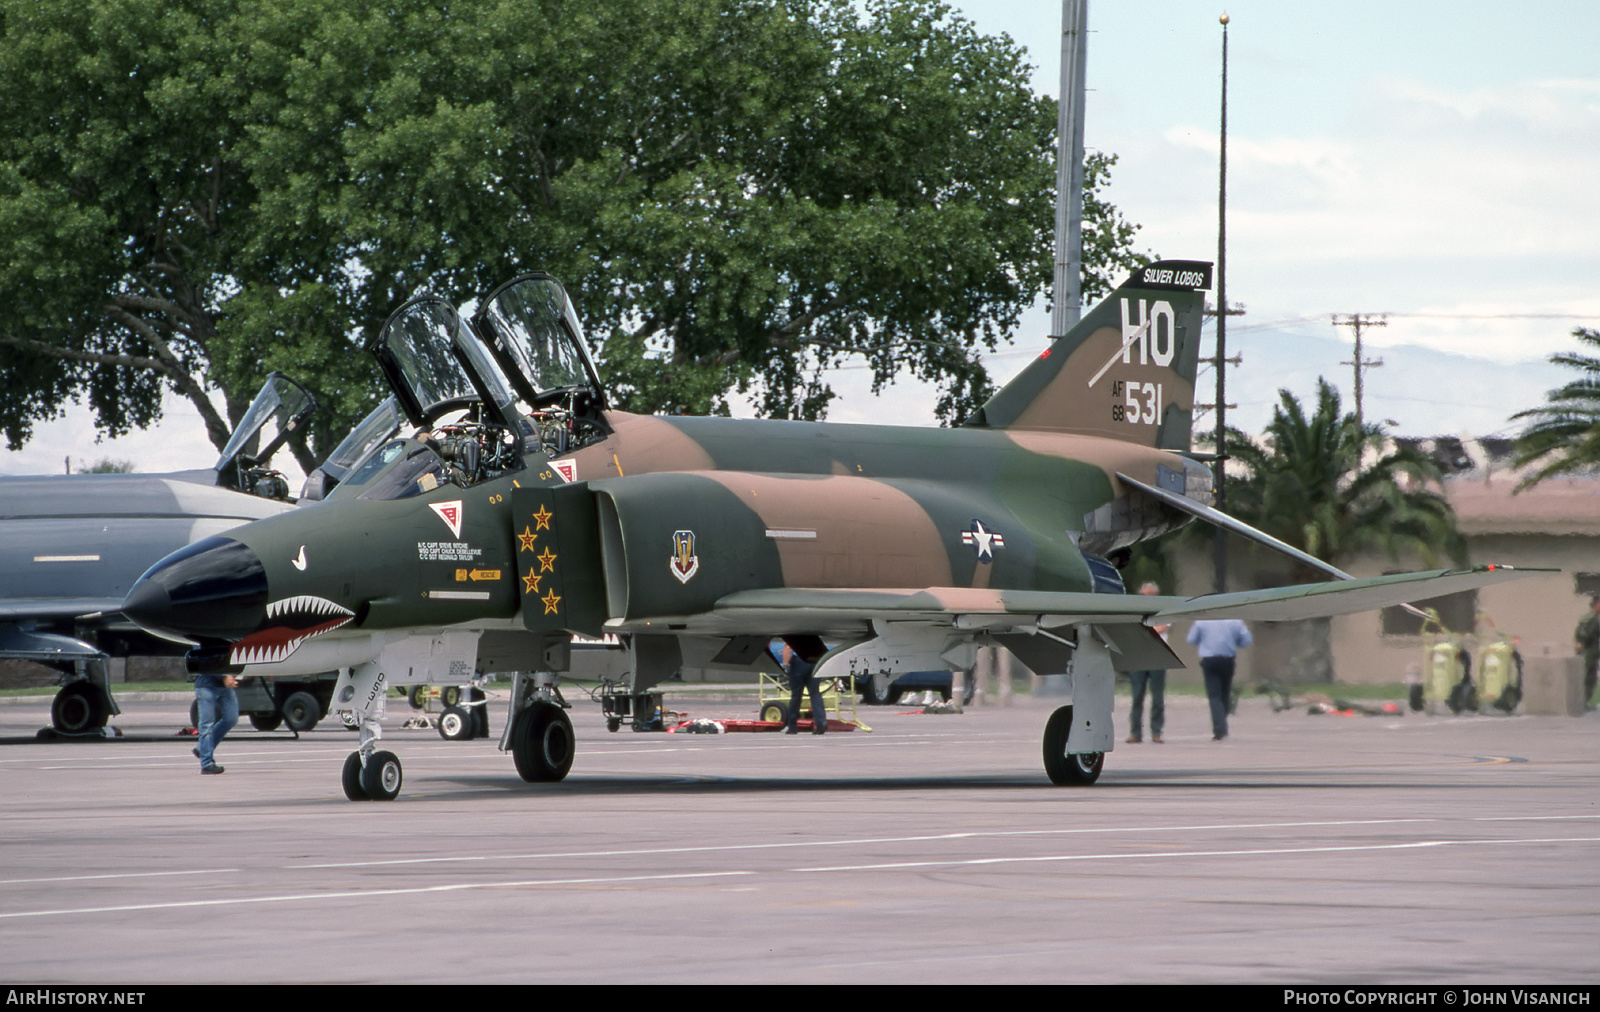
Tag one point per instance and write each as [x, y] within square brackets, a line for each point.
[1301, 850]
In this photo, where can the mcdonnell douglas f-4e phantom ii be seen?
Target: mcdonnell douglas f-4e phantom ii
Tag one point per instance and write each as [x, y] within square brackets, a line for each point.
[485, 543]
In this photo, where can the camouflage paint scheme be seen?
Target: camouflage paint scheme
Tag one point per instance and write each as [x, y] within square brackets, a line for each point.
[704, 537]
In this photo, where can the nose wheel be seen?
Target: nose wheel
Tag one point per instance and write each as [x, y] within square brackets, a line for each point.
[377, 779]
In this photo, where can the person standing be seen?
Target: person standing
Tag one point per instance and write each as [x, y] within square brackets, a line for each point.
[800, 657]
[1156, 682]
[1218, 642]
[219, 711]
[1586, 642]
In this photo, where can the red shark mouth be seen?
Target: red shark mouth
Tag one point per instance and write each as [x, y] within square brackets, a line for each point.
[290, 622]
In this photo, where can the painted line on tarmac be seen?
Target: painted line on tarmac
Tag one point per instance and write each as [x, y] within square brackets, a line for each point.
[973, 862]
[120, 875]
[920, 838]
[786, 872]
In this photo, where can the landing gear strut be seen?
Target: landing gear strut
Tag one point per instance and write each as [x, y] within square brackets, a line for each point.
[369, 773]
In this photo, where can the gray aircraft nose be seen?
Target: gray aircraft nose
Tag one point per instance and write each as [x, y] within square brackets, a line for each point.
[215, 589]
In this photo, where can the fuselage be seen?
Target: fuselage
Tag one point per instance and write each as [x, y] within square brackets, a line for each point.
[827, 505]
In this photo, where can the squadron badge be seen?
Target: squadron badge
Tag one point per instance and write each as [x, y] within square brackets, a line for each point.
[685, 563]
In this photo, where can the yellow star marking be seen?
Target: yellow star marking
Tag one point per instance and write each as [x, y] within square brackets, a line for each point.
[526, 539]
[543, 518]
[550, 599]
[530, 583]
[547, 560]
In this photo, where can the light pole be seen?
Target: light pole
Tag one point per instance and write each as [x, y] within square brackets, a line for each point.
[1220, 553]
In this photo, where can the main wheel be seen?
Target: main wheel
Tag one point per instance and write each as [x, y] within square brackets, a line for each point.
[301, 711]
[351, 778]
[381, 777]
[455, 724]
[79, 707]
[543, 744]
[777, 713]
[266, 721]
[1063, 769]
[875, 688]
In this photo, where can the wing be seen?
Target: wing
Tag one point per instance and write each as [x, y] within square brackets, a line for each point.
[966, 608]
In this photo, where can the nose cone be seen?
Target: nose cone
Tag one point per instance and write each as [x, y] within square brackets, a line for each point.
[215, 589]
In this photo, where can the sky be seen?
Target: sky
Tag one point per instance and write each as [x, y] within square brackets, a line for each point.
[1438, 162]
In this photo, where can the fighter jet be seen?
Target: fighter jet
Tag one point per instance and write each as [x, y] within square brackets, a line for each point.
[525, 510]
[72, 545]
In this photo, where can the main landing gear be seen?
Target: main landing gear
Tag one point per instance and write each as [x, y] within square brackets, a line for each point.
[1065, 768]
[539, 733]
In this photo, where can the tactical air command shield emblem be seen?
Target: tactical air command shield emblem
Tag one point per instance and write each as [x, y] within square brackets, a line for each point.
[685, 563]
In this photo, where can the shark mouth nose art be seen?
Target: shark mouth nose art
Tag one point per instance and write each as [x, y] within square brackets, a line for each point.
[289, 623]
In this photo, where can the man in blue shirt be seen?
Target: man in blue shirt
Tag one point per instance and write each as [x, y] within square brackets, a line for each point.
[1218, 642]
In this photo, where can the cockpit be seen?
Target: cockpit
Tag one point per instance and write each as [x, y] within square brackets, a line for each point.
[482, 396]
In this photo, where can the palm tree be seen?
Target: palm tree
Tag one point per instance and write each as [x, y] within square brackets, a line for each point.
[1309, 486]
[1565, 433]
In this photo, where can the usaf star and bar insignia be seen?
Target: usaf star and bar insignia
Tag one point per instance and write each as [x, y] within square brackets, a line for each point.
[983, 540]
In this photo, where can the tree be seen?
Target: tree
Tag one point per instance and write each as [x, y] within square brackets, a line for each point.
[1307, 484]
[738, 194]
[1563, 436]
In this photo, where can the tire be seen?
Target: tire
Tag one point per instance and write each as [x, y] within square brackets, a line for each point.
[1068, 770]
[351, 778]
[79, 708]
[418, 696]
[450, 695]
[381, 776]
[266, 721]
[543, 744]
[455, 724]
[613, 724]
[875, 688]
[894, 696]
[301, 711]
[776, 713]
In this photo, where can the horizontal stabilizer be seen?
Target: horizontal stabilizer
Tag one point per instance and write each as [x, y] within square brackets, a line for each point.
[1232, 525]
[1344, 597]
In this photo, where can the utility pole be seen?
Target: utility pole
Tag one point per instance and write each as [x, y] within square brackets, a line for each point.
[1220, 545]
[1215, 362]
[1355, 321]
[1069, 168]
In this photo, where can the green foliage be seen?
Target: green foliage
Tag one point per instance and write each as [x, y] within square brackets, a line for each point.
[1563, 436]
[105, 465]
[738, 194]
[1310, 487]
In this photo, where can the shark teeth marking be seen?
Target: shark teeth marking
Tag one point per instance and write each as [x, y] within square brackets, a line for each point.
[290, 622]
[309, 604]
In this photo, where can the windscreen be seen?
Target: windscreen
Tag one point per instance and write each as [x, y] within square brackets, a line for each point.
[382, 422]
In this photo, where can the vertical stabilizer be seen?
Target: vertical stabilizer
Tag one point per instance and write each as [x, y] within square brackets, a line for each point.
[1126, 371]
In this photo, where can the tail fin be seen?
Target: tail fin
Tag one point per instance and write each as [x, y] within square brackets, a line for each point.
[1126, 371]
